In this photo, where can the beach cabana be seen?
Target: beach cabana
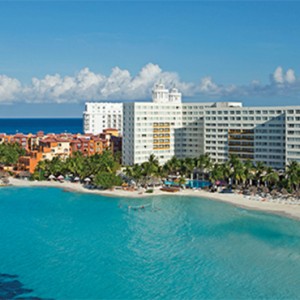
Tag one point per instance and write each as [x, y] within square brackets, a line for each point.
[60, 177]
[76, 179]
[4, 174]
[4, 181]
[51, 177]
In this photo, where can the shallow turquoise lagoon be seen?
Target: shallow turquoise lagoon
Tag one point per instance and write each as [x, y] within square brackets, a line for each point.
[65, 245]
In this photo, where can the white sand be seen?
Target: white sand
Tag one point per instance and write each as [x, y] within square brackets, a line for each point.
[289, 210]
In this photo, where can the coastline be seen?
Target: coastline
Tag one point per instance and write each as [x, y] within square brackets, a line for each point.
[287, 210]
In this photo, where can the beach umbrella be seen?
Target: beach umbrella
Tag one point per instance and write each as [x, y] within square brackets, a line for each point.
[60, 177]
[51, 177]
[5, 180]
[265, 189]
[273, 193]
[253, 189]
[87, 179]
[4, 174]
[76, 179]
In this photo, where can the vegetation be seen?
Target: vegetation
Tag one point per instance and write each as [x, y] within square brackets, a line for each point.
[10, 153]
[107, 180]
[102, 167]
[234, 172]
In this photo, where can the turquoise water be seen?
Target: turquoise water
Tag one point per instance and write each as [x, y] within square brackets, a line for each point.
[65, 245]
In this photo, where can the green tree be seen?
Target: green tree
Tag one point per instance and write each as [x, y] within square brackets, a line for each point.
[293, 175]
[173, 165]
[271, 177]
[107, 180]
[187, 166]
[259, 169]
[10, 153]
[217, 173]
[204, 164]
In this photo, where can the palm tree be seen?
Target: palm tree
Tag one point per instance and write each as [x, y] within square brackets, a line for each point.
[260, 169]
[239, 172]
[153, 160]
[234, 168]
[217, 173]
[249, 171]
[227, 172]
[271, 177]
[173, 165]
[128, 171]
[137, 173]
[41, 170]
[187, 167]
[204, 164]
[75, 164]
[293, 175]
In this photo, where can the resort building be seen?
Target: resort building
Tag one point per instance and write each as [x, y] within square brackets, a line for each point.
[42, 146]
[166, 127]
[100, 115]
[51, 147]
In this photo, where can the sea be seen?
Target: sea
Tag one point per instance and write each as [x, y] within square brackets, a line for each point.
[62, 245]
[58, 125]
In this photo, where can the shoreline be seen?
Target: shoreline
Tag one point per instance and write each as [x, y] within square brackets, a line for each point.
[286, 210]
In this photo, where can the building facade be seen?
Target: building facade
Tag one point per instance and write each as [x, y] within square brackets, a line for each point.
[101, 115]
[166, 127]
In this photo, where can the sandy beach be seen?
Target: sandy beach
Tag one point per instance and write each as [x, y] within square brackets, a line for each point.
[288, 210]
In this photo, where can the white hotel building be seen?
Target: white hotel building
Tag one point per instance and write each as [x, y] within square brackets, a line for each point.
[101, 115]
[166, 127]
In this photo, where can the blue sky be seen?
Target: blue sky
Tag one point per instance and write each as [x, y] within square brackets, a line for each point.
[211, 50]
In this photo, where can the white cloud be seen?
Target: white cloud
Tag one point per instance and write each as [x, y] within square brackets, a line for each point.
[9, 89]
[278, 75]
[290, 76]
[121, 85]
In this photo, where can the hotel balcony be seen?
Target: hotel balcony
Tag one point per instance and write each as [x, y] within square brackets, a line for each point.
[241, 150]
[161, 124]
